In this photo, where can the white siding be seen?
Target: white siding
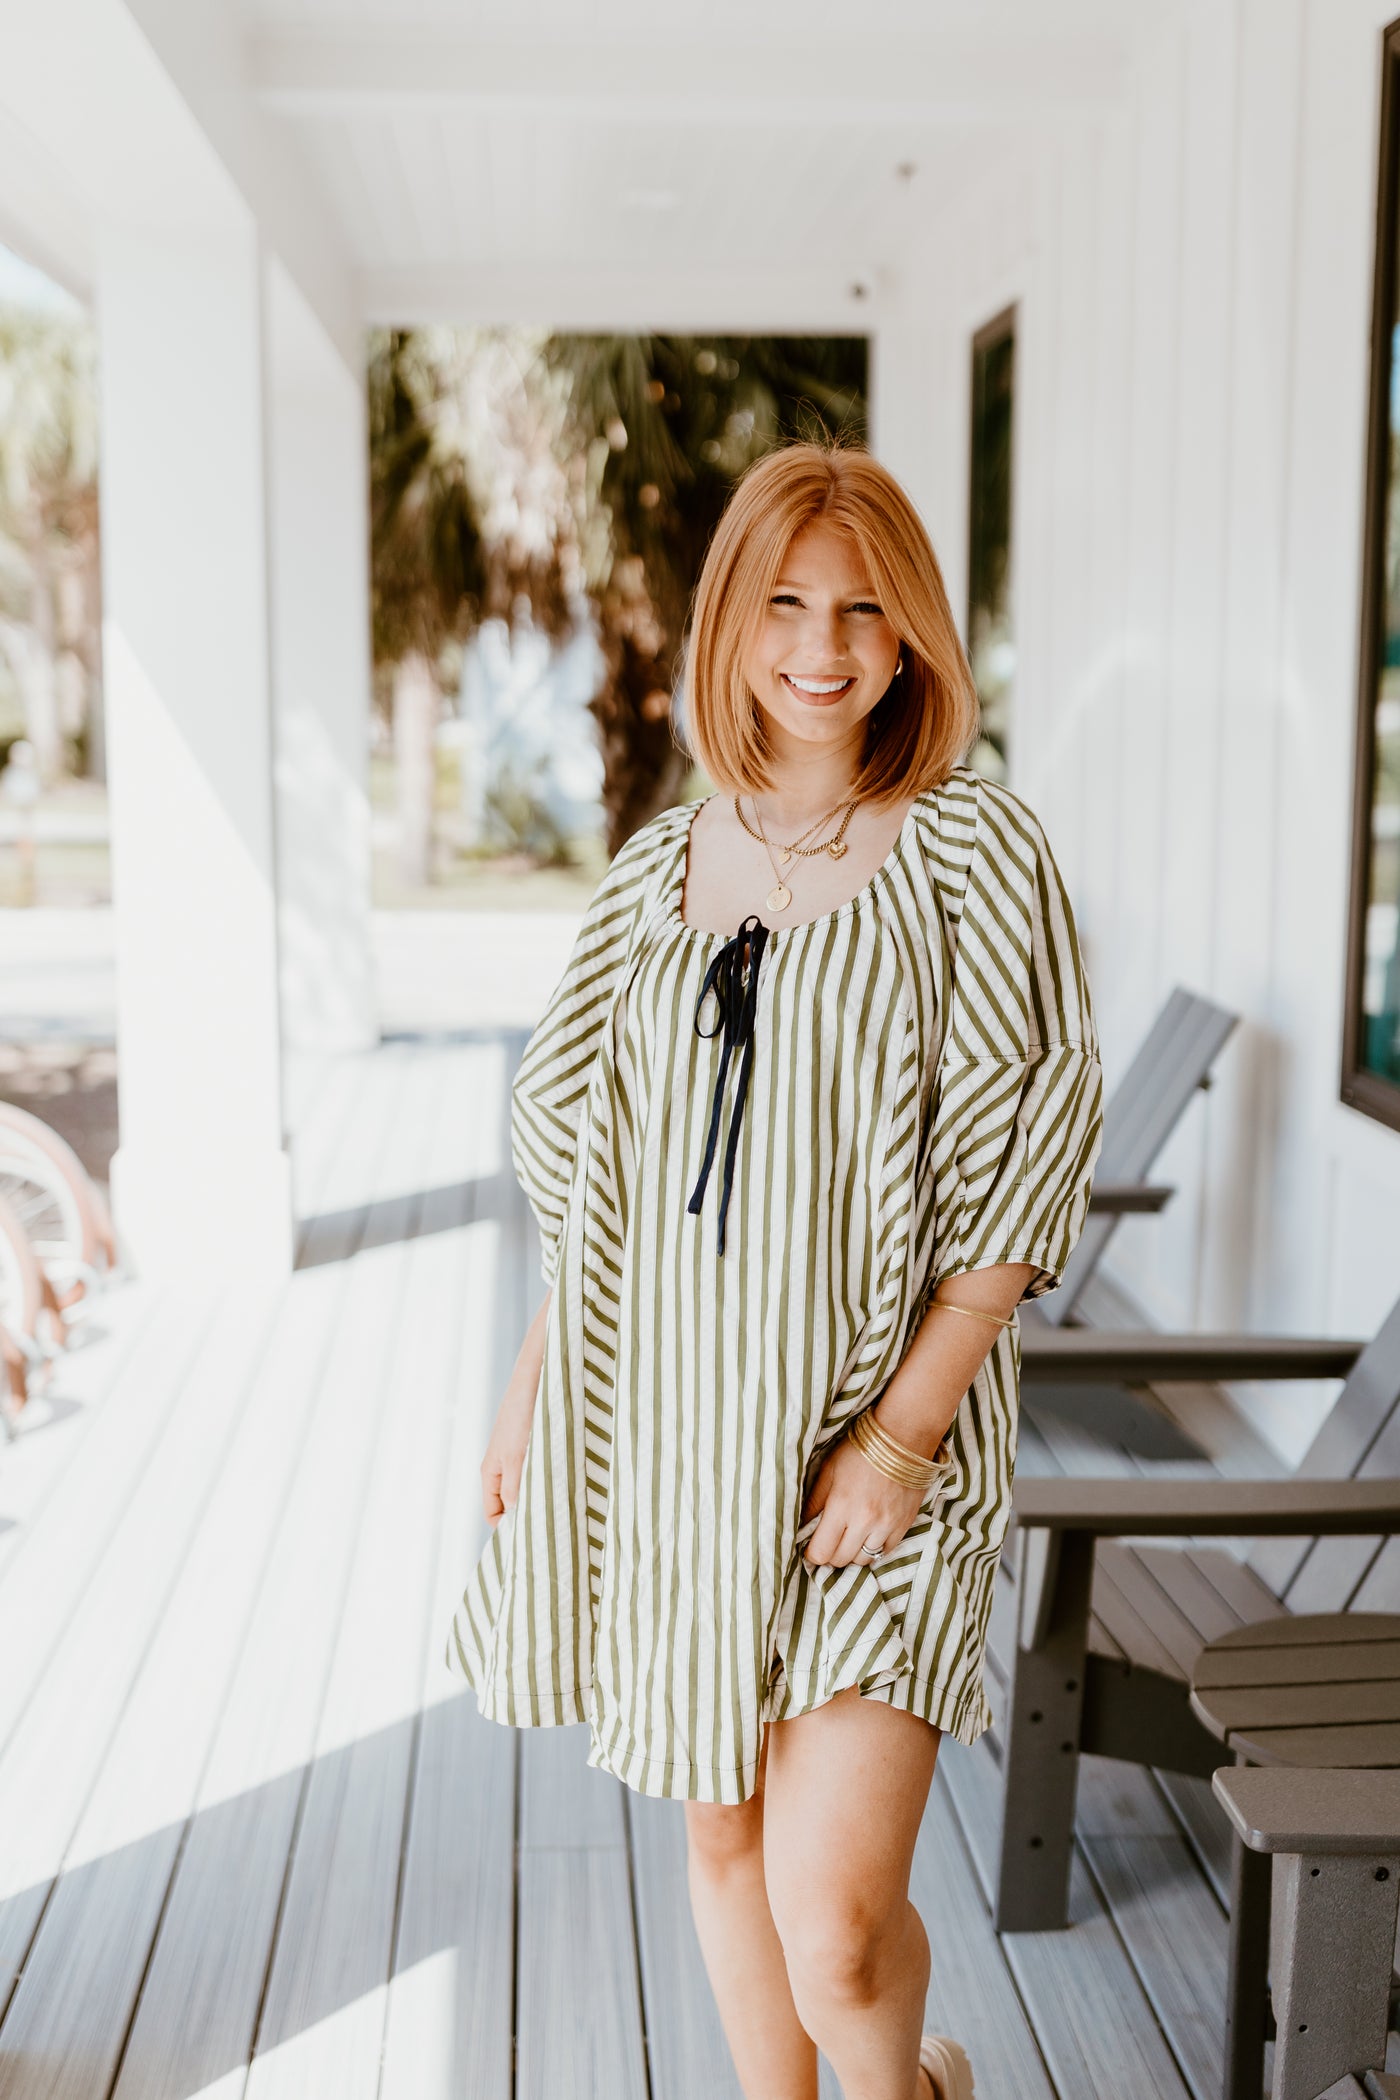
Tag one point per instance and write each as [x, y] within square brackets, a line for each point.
[1195, 281]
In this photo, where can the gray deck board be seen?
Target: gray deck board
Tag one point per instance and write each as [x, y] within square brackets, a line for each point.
[118, 1860]
[268, 1847]
[580, 2020]
[195, 2020]
[973, 1991]
[34, 1461]
[1155, 1844]
[59, 1745]
[55, 1565]
[321, 2022]
[123, 1851]
[579, 1984]
[689, 2054]
[1177, 1941]
[449, 2025]
[1094, 2022]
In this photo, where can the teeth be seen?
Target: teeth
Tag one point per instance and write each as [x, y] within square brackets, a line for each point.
[818, 685]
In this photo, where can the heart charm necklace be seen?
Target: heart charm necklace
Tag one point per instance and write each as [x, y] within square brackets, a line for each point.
[780, 896]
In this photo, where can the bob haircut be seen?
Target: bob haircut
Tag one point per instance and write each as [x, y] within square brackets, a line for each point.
[928, 719]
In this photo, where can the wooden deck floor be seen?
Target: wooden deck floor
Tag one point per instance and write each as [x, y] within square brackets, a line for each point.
[256, 1841]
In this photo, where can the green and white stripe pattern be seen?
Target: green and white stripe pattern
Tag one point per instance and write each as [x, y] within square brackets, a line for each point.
[925, 1099]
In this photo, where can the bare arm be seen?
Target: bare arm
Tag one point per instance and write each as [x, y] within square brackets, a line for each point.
[505, 1454]
[856, 1501]
[920, 1401]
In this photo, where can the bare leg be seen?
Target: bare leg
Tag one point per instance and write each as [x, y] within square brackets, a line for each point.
[774, 2057]
[855, 1772]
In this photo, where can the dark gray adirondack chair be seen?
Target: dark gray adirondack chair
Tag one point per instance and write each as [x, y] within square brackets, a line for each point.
[1140, 1115]
[1334, 1837]
[1107, 1633]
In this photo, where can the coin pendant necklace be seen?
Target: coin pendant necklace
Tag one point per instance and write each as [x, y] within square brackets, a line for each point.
[780, 896]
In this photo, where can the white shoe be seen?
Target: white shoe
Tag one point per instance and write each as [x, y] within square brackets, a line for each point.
[946, 2063]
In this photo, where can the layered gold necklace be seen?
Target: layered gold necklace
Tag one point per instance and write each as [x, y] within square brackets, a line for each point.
[780, 896]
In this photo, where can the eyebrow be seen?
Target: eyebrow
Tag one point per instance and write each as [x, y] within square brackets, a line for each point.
[863, 590]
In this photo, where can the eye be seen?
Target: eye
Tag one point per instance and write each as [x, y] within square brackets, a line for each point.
[867, 605]
[785, 598]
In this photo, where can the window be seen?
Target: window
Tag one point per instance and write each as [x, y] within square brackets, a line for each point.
[1371, 1045]
[990, 631]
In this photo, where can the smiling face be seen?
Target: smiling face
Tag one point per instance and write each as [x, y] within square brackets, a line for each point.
[824, 652]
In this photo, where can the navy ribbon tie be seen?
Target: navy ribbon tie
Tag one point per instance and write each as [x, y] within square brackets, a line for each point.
[737, 998]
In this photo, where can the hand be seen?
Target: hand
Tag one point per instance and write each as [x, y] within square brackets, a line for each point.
[505, 1454]
[857, 1503]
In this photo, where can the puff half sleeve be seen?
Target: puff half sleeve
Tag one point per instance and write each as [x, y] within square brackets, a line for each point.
[1019, 1110]
[551, 1082]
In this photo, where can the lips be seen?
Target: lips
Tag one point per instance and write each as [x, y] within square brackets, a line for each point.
[818, 691]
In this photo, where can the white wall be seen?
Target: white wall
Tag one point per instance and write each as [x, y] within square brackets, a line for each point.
[1194, 277]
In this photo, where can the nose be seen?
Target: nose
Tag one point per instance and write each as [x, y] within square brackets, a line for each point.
[822, 638]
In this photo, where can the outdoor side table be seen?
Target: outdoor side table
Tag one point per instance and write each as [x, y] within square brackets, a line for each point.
[1316, 1690]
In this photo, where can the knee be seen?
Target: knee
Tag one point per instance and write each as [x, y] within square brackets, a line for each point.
[837, 1950]
[724, 1838]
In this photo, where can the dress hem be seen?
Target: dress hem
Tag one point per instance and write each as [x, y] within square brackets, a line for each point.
[945, 1706]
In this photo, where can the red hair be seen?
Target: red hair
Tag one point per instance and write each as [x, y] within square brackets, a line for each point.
[927, 722]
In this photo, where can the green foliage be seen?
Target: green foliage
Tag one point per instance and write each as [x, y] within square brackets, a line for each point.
[647, 435]
[49, 589]
[513, 470]
[662, 426]
[519, 813]
[48, 422]
[427, 570]
[669, 423]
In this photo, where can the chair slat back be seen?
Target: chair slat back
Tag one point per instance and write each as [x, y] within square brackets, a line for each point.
[1359, 1440]
[1175, 1058]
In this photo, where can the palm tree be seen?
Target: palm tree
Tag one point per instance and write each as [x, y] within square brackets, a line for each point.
[666, 425]
[48, 504]
[427, 572]
[471, 518]
[514, 472]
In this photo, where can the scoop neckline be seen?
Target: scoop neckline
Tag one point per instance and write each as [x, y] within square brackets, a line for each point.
[672, 916]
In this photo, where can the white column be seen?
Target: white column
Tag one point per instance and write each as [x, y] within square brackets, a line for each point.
[321, 679]
[201, 1176]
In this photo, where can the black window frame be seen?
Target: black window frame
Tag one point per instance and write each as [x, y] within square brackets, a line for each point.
[1004, 324]
[1362, 1088]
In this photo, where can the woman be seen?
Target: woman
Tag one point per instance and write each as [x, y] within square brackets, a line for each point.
[750, 1478]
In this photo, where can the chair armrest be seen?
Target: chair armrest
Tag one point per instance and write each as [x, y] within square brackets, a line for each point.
[1120, 1197]
[1103, 1356]
[1141, 1508]
[1280, 1808]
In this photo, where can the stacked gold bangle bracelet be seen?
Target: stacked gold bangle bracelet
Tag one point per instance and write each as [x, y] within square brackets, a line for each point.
[896, 1461]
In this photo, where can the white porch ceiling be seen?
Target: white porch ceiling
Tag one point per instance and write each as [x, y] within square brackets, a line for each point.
[610, 163]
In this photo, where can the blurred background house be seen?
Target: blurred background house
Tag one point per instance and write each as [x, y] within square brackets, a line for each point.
[1097, 280]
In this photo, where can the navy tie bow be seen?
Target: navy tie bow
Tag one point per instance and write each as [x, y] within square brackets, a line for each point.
[737, 999]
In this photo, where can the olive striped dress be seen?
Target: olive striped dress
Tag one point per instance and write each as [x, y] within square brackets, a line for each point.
[913, 1089]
